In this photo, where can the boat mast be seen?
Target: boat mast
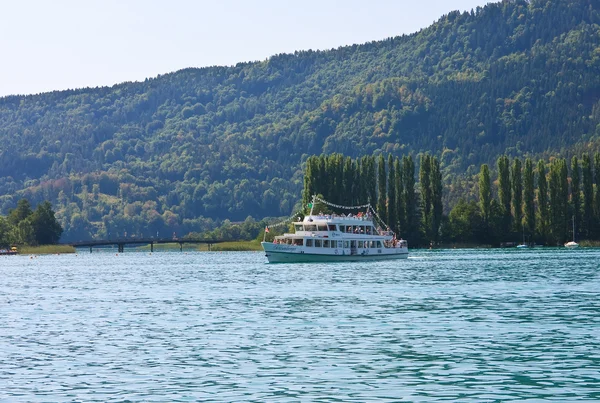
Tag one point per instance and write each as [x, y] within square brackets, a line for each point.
[312, 205]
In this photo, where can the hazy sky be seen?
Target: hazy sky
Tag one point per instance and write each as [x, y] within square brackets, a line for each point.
[50, 45]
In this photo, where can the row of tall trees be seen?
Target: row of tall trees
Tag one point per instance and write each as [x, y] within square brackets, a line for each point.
[24, 226]
[537, 201]
[387, 184]
[542, 201]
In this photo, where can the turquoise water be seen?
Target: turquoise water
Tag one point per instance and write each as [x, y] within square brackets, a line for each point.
[453, 325]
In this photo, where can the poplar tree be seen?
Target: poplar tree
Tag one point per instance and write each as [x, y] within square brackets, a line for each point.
[597, 195]
[504, 193]
[371, 180]
[575, 193]
[391, 192]
[400, 203]
[382, 190]
[425, 185]
[485, 194]
[437, 208]
[588, 195]
[350, 186]
[529, 197]
[517, 194]
[542, 197]
[410, 201]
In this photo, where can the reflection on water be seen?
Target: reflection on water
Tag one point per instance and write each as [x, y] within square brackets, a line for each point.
[476, 325]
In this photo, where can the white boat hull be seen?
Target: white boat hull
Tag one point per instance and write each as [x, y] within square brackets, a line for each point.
[291, 254]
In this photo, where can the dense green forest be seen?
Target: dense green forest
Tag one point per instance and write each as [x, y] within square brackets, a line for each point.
[24, 226]
[534, 203]
[183, 151]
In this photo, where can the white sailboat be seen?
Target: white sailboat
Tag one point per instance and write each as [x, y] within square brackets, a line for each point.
[572, 244]
[523, 245]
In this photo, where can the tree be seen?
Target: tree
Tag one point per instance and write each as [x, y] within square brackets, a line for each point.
[504, 193]
[19, 214]
[588, 195]
[425, 185]
[597, 195]
[46, 229]
[517, 194]
[575, 192]
[400, 202]
[529, 197]
[542, 197]
[382, 190]
[436, 198]
[391, 190]
[485, 194]
[410, 200]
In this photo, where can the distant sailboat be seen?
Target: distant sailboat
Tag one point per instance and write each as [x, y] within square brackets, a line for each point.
[572, 244]
[523, 245]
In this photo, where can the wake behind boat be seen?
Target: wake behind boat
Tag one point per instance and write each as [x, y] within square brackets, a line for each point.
[332, 238]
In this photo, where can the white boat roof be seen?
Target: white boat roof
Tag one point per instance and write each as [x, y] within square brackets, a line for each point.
[338, 219]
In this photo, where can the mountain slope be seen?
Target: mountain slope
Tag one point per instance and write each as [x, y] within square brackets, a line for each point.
[227, 142]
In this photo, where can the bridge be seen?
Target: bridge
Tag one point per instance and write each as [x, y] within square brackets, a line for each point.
[121, 242]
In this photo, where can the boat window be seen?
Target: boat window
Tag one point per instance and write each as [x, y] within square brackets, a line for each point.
[332, 227]
[298, 242]
[309, 242]
[334, 244]
[322, 227]
[311, 227]
[379, 244]
[369, 232]
[340, 244]
[361, 244]
[348, 228]
[298, 227]
[317, 243]
[326, 243]
[346, 244]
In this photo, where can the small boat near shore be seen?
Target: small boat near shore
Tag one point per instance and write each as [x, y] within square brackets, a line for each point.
[334, 238]
[572, 244]
[8, 252]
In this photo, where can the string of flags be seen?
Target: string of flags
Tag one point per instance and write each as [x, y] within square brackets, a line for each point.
[340, 206]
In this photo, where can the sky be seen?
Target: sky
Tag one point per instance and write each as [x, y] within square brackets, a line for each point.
[61, 44]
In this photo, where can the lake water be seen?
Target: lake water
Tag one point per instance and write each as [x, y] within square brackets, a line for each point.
[452, 325]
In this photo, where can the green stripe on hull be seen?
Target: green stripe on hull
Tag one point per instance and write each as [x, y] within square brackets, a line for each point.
[283, 257]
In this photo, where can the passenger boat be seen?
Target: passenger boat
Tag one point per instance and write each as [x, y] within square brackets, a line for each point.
[333, 238]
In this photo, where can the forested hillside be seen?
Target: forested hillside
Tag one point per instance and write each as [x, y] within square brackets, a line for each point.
[179, 152]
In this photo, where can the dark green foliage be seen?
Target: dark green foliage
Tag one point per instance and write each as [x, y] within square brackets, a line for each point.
[410, 199]
[597, 195]
[400, 209]
[575, 193]
[46, 229]
[26, 227]
[382, 189]
[426, 195]
[517, 194]
[543, 219]
[392, 216]
[587, 172]
[528, 198]
[184, 151]
[504, 193]
[485, 195]
[437, 207]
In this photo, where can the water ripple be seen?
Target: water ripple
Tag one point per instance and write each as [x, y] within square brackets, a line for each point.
[471, 326]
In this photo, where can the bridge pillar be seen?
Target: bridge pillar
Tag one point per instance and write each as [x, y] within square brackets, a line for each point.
[180, 246]
[121, 247]
[151, 246]
[90, 249]
[209, 247]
